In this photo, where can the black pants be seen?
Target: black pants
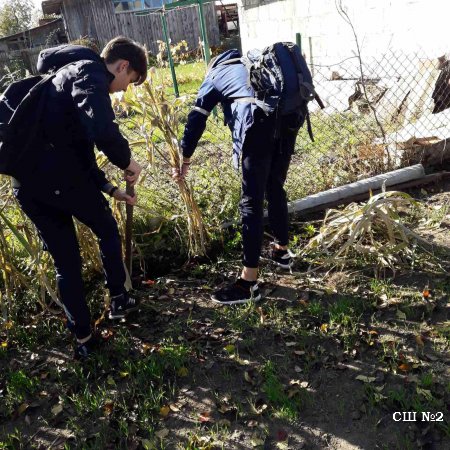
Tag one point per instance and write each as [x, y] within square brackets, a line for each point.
[265, 163]
[53, 213]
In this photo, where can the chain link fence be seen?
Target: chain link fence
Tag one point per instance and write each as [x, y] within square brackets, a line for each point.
[378, 117]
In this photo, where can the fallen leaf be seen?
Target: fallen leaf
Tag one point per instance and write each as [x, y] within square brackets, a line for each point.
[230, 348]
[365, 379]
[425, 393]
[262, 316]
[290, 344]
[174, 407]
[8, 325]
[164, 411]
[147, 347]
[401, 315]
[299, 352]
[298, 369]
[123, 374]
[248, 378]
[205, 417]
[147, 444]
[259, 407]
[256, 440]
[183, 372]
[324, 327]
[405, 367]
[252, 423]
[108, 407]
[110, 380]
[43, 375]
[107, 334]
[57, 409]
[148, 282]
[161, 434]
[419, 341]
[22, 408]
[243, 362]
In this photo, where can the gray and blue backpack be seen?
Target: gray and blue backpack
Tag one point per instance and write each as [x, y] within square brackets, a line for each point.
[281, 80]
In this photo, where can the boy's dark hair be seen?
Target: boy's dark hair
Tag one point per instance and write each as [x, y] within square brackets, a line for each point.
[129, 50]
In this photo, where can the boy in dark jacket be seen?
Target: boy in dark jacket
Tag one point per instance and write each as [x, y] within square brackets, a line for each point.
[67, 182]
[264, 144]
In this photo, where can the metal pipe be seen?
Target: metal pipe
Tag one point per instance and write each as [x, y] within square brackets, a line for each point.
[169, 54]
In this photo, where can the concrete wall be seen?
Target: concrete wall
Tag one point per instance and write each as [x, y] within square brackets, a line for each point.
[408, 26]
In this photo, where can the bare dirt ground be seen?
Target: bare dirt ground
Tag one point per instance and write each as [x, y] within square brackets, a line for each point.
[324, 361]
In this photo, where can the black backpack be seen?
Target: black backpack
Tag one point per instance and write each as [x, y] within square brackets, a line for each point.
[281, 80]
[21, 108]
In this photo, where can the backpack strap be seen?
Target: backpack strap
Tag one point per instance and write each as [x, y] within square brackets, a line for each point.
[243, 60]
[307, 90]
[308, 126]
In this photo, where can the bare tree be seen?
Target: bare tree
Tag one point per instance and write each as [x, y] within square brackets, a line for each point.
[15, 16]
[344, 14]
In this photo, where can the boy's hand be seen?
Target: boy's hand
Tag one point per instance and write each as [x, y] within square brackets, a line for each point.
[132, 172]
[122, 196]
[180, 174]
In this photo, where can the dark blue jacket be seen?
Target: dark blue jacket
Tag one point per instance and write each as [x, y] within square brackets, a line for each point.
[223, 84]
[78, 115]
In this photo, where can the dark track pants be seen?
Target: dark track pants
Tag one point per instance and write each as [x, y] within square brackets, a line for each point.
[265, 163]
[53, 215]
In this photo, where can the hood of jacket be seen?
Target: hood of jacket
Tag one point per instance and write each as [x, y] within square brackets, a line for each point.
[52, 59]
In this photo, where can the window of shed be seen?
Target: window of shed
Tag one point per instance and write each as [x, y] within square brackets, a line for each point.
[138, 5]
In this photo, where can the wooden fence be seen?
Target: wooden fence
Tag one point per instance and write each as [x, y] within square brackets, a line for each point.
[98, 20]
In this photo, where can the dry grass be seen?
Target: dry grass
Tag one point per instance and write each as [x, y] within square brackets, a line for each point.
[152, 111]
[373, 232]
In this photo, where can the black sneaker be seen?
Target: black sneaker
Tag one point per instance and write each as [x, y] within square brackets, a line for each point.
[121, 305]
[282, 258]
[87, 349]
[241, 291]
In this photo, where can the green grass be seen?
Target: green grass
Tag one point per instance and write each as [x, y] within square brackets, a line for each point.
[19, 387]
[283, 406]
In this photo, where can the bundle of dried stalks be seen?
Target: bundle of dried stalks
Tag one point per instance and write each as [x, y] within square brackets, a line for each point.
[372, 232]
[154, 113]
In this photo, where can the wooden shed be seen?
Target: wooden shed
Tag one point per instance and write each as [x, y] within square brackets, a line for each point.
[47, 34]
[19, 52]
[102, 20]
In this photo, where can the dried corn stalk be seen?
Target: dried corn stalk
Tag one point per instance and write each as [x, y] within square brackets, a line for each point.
[153, 113]
[373, 231]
